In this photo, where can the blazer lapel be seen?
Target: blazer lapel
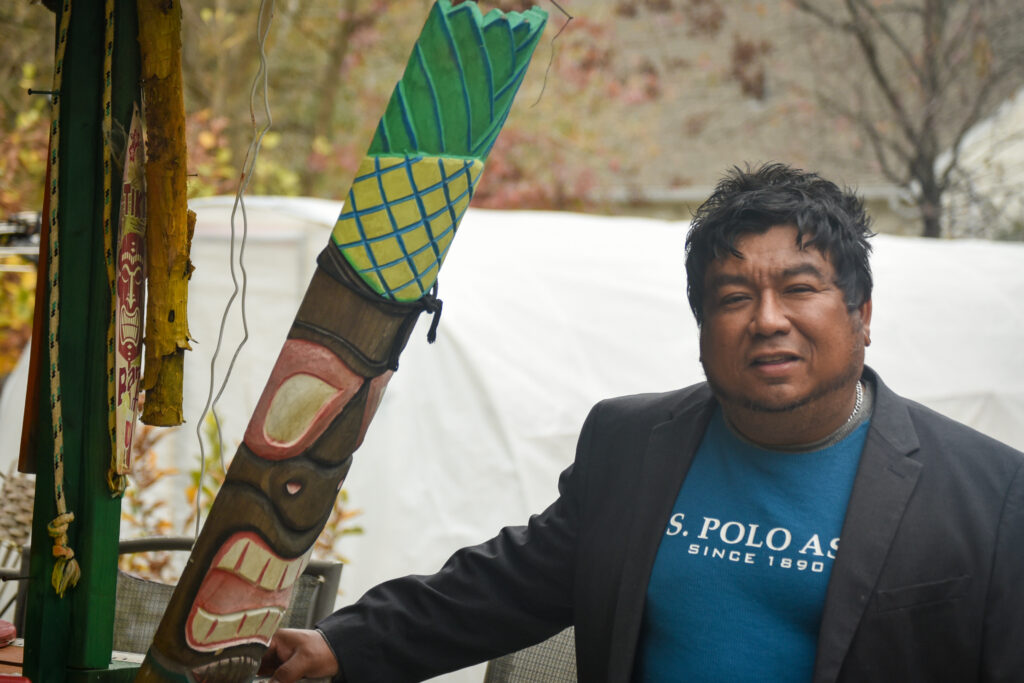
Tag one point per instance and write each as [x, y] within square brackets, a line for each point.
[670, 451]
[885, 480]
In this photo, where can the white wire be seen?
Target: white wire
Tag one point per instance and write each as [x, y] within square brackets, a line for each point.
[248, 164]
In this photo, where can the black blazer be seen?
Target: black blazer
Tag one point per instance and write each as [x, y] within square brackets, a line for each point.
[927, 585]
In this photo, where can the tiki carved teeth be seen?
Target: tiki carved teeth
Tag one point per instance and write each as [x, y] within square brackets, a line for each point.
[228, 670]
[214, 630]
[256, 564]
[243, 596]
[131, 328]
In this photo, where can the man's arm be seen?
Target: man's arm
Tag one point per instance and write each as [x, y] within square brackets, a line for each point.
[499, 596]
[1002, 650]
[502, 595]
[512, 591]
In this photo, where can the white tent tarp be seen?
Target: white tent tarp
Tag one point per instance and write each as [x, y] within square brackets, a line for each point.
[544, 314]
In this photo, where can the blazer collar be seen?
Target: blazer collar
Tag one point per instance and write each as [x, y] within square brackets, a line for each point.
[670, 450]
[884, 482]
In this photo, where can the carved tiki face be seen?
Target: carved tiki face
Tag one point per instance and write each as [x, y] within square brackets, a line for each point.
[129, 294]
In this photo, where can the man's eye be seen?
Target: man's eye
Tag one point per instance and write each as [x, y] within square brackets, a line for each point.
[732, 299]
[799, 289]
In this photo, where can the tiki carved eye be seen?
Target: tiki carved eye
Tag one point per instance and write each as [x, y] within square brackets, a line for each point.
[292, 487]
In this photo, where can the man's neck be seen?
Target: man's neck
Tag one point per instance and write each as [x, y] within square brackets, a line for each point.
[861, 413]
[793, 429]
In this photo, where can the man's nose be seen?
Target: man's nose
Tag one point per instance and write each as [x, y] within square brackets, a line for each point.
[770, 316]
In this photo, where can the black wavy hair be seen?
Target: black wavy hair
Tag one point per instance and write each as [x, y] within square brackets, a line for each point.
[828, 218]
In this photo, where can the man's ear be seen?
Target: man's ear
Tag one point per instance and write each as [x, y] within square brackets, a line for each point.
[865, 318]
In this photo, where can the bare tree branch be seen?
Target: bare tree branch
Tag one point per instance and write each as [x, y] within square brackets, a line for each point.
[869, 50]
[884, 146]
[972, 118]
[821, 15]
[936, 69]
[895, 39]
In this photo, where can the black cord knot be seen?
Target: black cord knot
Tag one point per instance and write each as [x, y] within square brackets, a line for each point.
[432, 305]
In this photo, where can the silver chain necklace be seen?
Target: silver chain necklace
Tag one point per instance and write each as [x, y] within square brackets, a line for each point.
[857, 405]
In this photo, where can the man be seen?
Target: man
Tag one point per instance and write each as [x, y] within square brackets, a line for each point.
[791, 519]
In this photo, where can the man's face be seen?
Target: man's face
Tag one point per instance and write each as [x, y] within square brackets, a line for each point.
[777, 335]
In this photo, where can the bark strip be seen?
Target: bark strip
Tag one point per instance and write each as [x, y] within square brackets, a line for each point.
[169, 234]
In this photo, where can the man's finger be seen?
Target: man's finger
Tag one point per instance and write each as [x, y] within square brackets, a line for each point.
[290, 671]
[270, 661]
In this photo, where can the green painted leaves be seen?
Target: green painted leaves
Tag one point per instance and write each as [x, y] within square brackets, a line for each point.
[460, 81]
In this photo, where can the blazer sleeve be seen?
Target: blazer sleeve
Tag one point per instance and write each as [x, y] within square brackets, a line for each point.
[1003, 645]
[502, 595]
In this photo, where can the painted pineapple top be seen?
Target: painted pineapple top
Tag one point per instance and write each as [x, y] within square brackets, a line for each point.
[421, 170]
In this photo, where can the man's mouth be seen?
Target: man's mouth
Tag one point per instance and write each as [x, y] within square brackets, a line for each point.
[775, 359]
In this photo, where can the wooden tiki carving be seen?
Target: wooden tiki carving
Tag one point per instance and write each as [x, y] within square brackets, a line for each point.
[373, 280]
[130, 294]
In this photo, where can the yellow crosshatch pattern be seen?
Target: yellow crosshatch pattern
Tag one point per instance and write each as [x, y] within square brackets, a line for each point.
[400, 218]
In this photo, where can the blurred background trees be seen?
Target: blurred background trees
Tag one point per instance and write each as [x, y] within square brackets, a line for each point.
[635, 99]
[636, 107]
[926, 73]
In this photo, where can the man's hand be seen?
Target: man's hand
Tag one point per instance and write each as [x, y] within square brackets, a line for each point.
[294, 654]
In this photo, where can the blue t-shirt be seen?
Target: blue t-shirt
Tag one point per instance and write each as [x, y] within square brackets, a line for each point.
[738, 585]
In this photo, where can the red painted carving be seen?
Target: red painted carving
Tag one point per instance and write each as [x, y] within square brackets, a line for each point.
[243, 596]
[377, 386]
[129, 293]
[300, 358]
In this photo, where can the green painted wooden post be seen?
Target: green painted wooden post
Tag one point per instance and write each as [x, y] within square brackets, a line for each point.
[70, 638]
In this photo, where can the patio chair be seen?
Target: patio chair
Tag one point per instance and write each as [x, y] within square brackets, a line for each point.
[17, 492]
[141, 602]
[551, 661]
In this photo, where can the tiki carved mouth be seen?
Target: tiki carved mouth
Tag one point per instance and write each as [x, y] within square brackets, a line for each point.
[215, 631]
[131, 327]
[244, 595]
[228, 670]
